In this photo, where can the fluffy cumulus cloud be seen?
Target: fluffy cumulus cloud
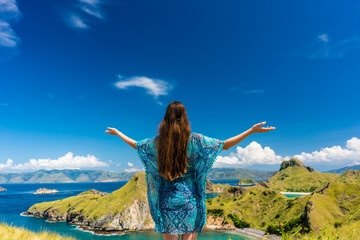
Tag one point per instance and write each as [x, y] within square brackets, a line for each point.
[154, 87]
[9, 12]
[7, 164]
[335, 154]
[68, 161]
[254, 153]
[130, 164]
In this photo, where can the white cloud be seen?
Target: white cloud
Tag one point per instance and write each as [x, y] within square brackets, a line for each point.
[68, 161]
[251, 154]
[335, 49]
[135, 170]
[155, 87]
[323, 37]
[9, 11]
[130, 164]
[7, 165]
[83, 10]
[77, 22]
[254, 153]
[335, 154]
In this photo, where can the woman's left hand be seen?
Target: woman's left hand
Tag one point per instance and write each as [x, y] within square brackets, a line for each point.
[112, 131]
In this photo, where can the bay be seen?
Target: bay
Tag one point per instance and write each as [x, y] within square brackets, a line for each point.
[19, 198]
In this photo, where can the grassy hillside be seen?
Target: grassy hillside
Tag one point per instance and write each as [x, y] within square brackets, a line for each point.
[246, 181]
[258, 206]
[336, 205]
[350, 176]
[10, 232]
[294, 176]
[123, 209]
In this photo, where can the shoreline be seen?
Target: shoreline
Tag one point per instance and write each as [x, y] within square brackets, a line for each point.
[259, 234]
[297, 193]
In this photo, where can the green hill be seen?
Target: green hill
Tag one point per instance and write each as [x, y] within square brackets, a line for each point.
[125, 209]
[244, 181]
[294, 176]
[350, 176]
[267, 209]
[13, 233]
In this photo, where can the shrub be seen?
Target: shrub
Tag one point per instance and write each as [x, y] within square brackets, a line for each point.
[238, 222]
[337, 224]
[215, 212]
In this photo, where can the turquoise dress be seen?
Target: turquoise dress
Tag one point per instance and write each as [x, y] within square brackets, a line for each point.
[178, 206]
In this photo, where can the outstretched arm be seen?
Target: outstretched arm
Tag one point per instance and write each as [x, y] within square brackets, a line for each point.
[254, 129]
[114, 131]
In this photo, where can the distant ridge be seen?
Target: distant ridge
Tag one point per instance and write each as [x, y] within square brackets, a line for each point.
[72, 176]
[65, 176]
[344, 169]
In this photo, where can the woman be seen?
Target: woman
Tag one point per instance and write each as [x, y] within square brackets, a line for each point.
[177, 162]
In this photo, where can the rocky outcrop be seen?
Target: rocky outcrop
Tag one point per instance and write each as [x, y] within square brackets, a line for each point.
[2, 189]
[45, 191]
[294, 162]
[215, 188]
[264, 184]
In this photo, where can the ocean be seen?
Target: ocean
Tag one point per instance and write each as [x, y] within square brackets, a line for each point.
[19, 198]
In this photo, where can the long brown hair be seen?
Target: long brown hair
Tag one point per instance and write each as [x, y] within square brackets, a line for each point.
[171, 143]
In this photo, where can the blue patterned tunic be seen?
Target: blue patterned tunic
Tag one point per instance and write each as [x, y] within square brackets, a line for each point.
[178, 206]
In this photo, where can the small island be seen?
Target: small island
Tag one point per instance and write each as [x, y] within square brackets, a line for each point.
[246, 181]
[45, 191]
[2, 189]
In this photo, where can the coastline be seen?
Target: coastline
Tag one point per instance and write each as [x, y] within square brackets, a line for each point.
[253, 232]
[296, 193]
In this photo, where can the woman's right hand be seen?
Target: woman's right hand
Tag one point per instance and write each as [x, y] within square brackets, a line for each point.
[258, 129]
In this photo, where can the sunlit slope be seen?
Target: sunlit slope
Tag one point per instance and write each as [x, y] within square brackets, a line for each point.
[294, 176]
[10, 232]
[123, 209]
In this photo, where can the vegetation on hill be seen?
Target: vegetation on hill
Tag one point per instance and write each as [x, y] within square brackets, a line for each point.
[123, 209]
[350, 176]
[243, 181]
[215, 188]
[267, 209]
[294, 176]
[10, 232]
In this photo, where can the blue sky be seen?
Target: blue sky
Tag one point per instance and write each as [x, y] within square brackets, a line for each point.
[70, 69]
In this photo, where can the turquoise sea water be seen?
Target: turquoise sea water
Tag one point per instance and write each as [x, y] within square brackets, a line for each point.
[20, 197]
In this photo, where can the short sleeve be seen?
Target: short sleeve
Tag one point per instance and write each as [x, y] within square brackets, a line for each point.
[208, 149]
